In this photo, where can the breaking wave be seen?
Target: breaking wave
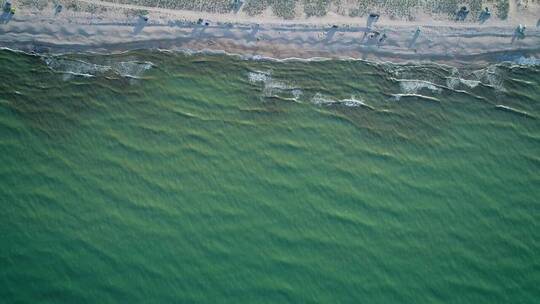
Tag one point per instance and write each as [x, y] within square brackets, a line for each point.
[513, 110]
[273, 87]
[413, 86]
[320, 99]
[76, 67]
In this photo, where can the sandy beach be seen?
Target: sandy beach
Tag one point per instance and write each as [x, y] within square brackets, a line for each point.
[117, 27]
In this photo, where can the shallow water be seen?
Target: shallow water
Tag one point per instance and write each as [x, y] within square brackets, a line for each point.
[168, 177]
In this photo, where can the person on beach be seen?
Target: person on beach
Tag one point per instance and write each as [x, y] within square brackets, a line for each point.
[462, 14]
[382, 39]
[203, 22]
[519, 33]
[484, 15]
[58, 9]
[372, 18]
[414, 38]
[8, 12]
[236, 5]
[7, 7]
[373, 35]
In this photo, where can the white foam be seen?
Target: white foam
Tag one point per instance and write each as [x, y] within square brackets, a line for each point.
[258, 76]
[321, 100]
[455, 79]
[413, 86]
[353, 102]
[271, 87]
[398, 97]
[528, 61]
[491, 76]
[470, 83]
[453, 82]
[297, 93]
[74, 67]
[513, 110]
[133, 69]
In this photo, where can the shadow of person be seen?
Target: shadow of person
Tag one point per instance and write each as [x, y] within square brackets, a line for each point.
[141, 23]
[5, 17]
[414, 38]
[330, 34]
[519, 33]
[484, 15]
[57, 9]
[372, 38]
[462, 14]
[237, 5]
[364, 37]
[538, 23]
[139, 26]
[227, 29]
[254, 31]
[198, 30]
[372, 18]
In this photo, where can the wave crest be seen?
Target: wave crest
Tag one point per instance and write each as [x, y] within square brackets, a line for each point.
[76, 67]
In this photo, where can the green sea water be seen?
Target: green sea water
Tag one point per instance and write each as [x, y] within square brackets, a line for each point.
[156, 177]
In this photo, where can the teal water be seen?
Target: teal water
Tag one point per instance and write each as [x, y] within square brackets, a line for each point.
[152, 177]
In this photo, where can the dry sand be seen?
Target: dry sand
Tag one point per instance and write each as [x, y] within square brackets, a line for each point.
[117, 27]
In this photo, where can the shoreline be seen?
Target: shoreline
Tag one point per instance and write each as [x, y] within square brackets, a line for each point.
[439, 41]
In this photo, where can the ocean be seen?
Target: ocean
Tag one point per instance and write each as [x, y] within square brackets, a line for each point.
[170, 177]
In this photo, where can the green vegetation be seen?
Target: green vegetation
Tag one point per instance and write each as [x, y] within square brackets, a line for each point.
[255, 7]
[284, 8]
[288, 9]
[39, 4]
[502, 8]
[213, 6]
[316, 7]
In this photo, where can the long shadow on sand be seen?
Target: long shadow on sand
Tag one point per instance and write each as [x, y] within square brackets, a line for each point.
[253, 33]
[141, 23]
[5, 17]
[329, 35]
[413, 40]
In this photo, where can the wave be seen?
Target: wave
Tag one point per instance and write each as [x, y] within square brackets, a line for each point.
[322, 100]
[527, 61]
[77, 67]
[398, 97]
[492, 76]
[258, 76]
[414, 79]
[455, 80]
[273, 87]
[514, 59]
[513, 110]
[132, 69]
[413, 86]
